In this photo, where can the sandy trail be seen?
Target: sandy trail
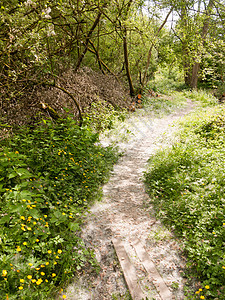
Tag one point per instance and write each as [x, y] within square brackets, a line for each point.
[125, 212]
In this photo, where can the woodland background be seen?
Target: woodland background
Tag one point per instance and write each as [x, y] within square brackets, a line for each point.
[45, 45]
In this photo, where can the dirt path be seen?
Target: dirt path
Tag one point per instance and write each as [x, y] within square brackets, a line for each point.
[126, 214]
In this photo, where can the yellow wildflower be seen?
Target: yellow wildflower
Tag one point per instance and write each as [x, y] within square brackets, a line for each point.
[29, 277]
[20, 287]
[4, 273]
[39, 281]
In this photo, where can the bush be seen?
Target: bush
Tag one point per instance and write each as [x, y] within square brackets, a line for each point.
[186, 184]
[48, 177]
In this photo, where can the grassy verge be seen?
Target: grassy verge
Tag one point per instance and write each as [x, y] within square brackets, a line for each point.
[186, 184]
[48, 178]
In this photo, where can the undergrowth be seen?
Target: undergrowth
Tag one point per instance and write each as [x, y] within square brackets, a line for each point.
[48, 178]
[187, 186]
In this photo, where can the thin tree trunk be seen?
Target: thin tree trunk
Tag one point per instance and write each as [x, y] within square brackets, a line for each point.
[125, 51]
[87, 41]
[100, 61]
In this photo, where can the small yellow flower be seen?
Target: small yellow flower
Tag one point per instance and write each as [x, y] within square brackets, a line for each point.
[46, 280]
[22, 218]
[64, 296]
[23, 228]
[202, 297]
[24, 243]
[39, 281]
[223, 267]
[47, 263]
[34, 223]
[42, 273]
[30, 264]
[45, 216]
[200, 290]
[42, 266]
[207, 287]
[53, 274]
[22, 280]
[4, 273]
[55, 263]
[197, 292]
[37, 240]
[49, 251]
[57, 257]
[29, 228]
[59, 251]
[37, 269]
[18, 249]
[29, 277]
[33, 280]
[20, 287]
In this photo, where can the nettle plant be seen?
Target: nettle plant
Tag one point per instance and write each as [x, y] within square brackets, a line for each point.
[48, 177]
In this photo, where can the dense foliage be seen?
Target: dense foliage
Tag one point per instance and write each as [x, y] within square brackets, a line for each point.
[186, 185]
[48, 178]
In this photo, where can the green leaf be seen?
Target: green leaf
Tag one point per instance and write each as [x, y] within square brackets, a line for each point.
[12, 175]
[24, 173]
[5, 219]
[74, 226]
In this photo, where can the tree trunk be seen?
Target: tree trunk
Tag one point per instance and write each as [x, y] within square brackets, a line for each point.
[126, 60]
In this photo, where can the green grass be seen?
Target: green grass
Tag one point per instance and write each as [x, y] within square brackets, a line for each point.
[186, 183]
[49, 176]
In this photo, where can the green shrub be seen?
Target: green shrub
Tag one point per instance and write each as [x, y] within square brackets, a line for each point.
[48, 177]
[187, 186]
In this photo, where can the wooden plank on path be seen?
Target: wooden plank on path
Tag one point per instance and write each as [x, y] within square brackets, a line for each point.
[128, 270]
[154, 275]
